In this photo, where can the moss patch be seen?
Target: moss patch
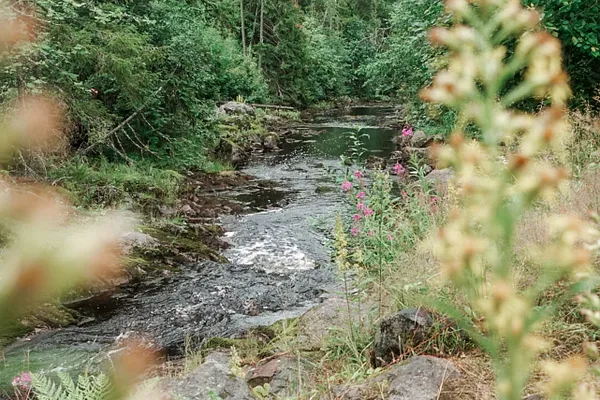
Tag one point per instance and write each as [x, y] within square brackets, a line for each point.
[48, 315]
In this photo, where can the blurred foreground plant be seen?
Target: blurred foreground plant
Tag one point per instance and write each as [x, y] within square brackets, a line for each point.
[476, 245]
[47, 252]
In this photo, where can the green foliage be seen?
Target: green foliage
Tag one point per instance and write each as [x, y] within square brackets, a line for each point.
[86, 388]
[405, 64]
[406, 61]
[108, 60]
[356, 150]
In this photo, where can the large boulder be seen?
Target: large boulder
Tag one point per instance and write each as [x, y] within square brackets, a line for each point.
[374, 162]
[270, 143]
[400, 333]
[419, 139]
[235, 108]
[212, 380]
[405, 154]
[440, 178]
[327, 318]
[420, 378]
[137, 240]
[284, 374]
[237, 155]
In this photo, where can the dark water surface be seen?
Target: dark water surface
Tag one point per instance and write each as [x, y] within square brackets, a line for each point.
[279, 259]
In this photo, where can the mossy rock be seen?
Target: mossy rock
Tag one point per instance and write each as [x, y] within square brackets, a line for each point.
[324, 189]
[50, 315]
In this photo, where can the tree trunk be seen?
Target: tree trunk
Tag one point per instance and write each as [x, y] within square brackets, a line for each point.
[243, 26]
[262, 31]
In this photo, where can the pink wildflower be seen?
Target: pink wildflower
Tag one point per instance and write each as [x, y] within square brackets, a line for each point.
[434, 199]
[358, 174]
[346, 186]
[354, 231]
[389, 237]
[360, 207]
[407, 131]
[361, 195]
[398, 169]
[371, 234]
[22, 381]
[368, 212]
[356, 217]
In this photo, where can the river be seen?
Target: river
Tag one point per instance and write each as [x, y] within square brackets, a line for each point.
[279, 258]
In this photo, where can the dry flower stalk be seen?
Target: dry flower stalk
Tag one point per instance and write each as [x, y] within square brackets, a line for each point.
[476, 245]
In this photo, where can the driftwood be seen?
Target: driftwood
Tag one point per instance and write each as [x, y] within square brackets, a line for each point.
[272, 106]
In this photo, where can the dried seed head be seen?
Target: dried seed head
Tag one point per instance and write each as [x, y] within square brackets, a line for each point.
[563, 375]
[457, 140]
[518, 161]
[36, 121]
[458, 7]
[14, 31]
[441, 37]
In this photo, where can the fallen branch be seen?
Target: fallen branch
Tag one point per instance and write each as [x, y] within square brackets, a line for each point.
[121, 125]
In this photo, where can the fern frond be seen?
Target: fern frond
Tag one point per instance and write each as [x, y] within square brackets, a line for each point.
[45, 388]
[102, 388]
[68, 384]
[84, 386]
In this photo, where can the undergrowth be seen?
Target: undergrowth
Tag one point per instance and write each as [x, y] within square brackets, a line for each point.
[109, 184]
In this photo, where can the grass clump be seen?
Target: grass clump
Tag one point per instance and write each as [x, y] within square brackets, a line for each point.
[108, 184]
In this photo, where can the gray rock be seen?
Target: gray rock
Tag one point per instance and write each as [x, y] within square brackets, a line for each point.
[270, 143]
[167, 211]
[233, 107]
[213, 378]
[397, 156]
[137, 240]
[421, 153]
[315, 325]
[374, 162]
[186, 209]
[405, 154]
[401, 141]
[420, 378]
[534, 397]
[419, 139]
[239, 157]
[400, 333]
[440, 178]
[283, 374]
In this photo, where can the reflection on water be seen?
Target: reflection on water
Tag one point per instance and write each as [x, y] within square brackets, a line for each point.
[333, 141]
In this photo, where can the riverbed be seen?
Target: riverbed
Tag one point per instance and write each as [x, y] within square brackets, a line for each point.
[279, 256]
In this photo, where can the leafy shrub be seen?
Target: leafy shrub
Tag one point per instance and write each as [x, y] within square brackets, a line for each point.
[405, 64]
[577, 24]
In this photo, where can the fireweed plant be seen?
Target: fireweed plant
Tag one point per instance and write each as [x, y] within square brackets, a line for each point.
[381, 224]
[475, 246]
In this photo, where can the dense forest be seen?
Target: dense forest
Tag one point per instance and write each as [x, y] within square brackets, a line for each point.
[143, 77]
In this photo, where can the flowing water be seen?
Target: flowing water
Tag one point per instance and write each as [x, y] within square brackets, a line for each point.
[279, 259]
